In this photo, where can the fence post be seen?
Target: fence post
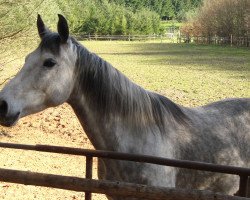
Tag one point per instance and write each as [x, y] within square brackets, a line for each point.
[243, 186]
[179, 37]
[89, 166]
[231, 40]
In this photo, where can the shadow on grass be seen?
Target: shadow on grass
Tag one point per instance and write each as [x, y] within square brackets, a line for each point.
[199, 57]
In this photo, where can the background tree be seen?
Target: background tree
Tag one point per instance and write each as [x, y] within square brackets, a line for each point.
[221, 18]
[165, 8]
[90, 16]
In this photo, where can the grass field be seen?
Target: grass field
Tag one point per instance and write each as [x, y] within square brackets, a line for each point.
[171, 24]
[189, 74]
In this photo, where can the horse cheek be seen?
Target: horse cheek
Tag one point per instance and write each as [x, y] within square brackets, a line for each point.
[59, 93]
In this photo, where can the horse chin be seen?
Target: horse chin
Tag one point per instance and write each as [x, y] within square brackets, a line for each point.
[10, 120]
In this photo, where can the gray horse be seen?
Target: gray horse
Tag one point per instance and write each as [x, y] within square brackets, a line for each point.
[119, 115]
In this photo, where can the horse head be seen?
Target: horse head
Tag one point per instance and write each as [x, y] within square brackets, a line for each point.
[46, 78]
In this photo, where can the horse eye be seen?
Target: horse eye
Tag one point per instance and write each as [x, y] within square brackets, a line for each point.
[49, 63]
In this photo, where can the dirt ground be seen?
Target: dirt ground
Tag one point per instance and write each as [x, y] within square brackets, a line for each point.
[52, 127]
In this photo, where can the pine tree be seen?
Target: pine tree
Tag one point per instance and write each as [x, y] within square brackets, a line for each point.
[167, 9]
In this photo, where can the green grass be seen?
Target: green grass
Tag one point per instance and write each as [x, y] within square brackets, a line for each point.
[172, 23]
[191, 75]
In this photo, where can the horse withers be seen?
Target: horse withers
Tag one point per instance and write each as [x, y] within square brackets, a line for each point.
[119, 115]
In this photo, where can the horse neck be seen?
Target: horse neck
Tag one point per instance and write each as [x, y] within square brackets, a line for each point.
[103, 98]
[108, 104]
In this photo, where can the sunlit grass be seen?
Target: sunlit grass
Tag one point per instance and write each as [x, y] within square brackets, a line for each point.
[189, 74]
[171, 24]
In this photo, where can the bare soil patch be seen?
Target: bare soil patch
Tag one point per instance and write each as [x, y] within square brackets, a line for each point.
[54, 126]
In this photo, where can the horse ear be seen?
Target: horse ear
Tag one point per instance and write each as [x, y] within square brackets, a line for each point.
[63, 28]
[42, 29]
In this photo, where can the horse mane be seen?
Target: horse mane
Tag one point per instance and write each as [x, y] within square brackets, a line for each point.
[110, 92]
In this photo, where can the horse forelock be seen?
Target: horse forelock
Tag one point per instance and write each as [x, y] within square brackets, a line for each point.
[108, 91]
[51, 42]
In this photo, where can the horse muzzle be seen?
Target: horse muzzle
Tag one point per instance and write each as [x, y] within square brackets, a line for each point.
[6, 118]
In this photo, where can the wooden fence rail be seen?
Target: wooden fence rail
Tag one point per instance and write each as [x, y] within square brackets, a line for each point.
[73, 183]
[173, 37]
[123, 37]
[231, 40]
[108, 187]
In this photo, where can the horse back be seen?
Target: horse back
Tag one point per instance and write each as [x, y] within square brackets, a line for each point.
[219, 133]
[227, 114]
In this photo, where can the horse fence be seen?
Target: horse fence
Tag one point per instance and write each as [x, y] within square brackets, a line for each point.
[172, 38]
[153, 37]
[216, 40]
[88, 185]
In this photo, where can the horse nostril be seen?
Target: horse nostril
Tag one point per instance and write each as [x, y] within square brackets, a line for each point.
[3, 108]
